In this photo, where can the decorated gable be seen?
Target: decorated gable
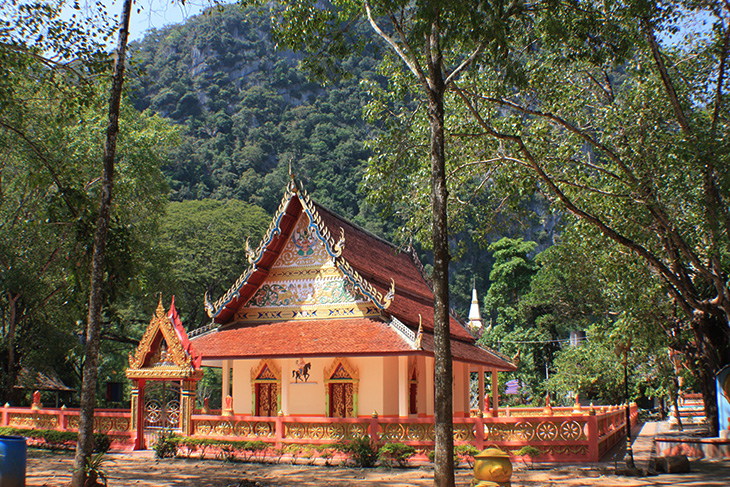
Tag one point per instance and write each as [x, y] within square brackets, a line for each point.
[306, 283]
[164, 350]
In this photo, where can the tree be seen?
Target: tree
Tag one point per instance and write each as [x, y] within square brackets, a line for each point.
[510, 279]
[38, 93]
[420, 36]
[84, 446]
[619, 128]
[204, 245]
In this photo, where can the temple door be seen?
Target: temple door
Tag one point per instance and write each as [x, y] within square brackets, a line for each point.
[341, 400]
[266, 399]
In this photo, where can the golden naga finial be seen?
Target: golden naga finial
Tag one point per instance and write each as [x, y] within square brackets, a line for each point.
[419, 334]
[340, 245]
[391, 294]
[209, 308]
[292, 183]
[250, 253]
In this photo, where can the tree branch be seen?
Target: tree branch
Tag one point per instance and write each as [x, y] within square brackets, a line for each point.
[409, 58]
[687, 300]
[664, 75]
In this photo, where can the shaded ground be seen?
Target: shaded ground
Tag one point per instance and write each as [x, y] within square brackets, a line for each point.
[140, 469]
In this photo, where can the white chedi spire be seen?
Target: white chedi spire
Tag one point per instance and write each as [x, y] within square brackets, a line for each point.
[475, 318]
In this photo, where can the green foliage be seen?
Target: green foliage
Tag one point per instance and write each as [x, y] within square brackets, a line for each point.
[511, 275]
[247, 112]
[95, 473]
[57, 440]
[590, 370]
[362, 451]
[102, 442]
[528, 452]
[51, 131]
[465, 453]
[203, 246]
[431, 455]
[166, 445]
[395, 454]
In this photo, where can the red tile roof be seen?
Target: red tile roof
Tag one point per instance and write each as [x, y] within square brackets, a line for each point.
[470, 353]
[349, 337]
[353, 336]
[378, 262]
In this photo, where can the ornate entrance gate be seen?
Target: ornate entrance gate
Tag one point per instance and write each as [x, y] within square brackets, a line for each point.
[162, 406]
[161, 409]
[164, 371]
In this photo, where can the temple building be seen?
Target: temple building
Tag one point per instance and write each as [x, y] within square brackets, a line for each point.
[331, 320]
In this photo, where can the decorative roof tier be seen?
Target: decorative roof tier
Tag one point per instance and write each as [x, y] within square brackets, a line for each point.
[164, 352]
[307, 293]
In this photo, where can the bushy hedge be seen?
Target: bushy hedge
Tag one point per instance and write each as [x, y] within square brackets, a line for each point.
[56, 440]
[395, 454]
[170, 445]
[363, 451]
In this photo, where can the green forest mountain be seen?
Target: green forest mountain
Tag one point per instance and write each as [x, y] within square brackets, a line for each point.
[248, 112]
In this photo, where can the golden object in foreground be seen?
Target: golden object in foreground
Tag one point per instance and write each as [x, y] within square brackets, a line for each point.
[491, 467]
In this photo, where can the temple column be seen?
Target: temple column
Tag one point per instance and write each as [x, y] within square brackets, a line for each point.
[286, 368]
[403, 384]
[460, 403]
[421, 387]
[430, 392]
[226, 386]
[187, 406]
[495, 394]
[138, 413]
[480, 401]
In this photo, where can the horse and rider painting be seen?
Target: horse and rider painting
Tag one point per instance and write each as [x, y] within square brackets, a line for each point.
[301, 372]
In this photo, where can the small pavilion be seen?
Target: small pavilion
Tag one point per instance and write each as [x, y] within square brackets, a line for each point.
[164, 371]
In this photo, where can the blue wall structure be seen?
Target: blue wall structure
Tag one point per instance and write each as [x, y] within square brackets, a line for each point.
[722, 379]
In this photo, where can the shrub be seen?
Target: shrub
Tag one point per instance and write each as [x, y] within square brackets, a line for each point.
[465, 453]
[528, 452]
[190, 445]
[431, 455]
[309, 453]
[94, 470]
[395, 454]
[362, 451]
[102, 443]
[44, 438]
[166, 446]
[257, 448]
[294, 450]
[278, 452]
[325, 453]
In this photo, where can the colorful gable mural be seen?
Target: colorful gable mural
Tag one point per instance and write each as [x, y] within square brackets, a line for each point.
[305, 283]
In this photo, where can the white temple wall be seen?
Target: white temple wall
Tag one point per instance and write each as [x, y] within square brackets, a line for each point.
[241, 383]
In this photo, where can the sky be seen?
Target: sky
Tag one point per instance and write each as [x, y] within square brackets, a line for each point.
[147, 14]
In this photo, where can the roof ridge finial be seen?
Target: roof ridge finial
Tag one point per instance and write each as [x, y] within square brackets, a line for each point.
[419, 333]
[293, 182]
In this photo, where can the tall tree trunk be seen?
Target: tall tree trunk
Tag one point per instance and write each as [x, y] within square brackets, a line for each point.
[10, 375]
[713, 352]
[444, 448]
[84, 446]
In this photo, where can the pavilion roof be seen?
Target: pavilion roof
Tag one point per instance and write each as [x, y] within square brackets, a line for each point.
[42, 381]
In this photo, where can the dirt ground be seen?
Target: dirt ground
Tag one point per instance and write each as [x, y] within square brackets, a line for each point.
[141, 469]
